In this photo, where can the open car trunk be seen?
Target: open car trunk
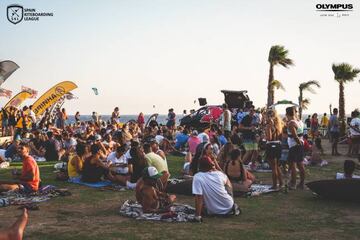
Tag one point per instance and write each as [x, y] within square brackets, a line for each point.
[236, 99]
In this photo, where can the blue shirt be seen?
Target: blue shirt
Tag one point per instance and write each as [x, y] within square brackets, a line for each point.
[222, 140]
[181, 140]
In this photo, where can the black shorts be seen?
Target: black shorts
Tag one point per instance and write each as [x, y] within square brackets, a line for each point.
[296, 154]
[355, 139]
[335, 135]
[273, 150]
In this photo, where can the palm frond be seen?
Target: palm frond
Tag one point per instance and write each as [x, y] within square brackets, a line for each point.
[279, 55]
[305, 103]
[344, 72]
[307, 86]
[277, 84]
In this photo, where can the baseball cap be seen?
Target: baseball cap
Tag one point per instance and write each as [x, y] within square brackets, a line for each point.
[97, 137]
[151, 172]
[194, 133]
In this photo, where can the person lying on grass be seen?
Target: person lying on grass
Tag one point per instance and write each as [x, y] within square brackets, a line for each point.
[150, 195]
[213, 191]
[16, 231]
[29, 179]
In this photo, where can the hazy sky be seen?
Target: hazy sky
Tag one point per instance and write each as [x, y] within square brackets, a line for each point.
[168, 53]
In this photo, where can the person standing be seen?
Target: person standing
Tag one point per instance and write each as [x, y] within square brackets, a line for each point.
[324, 121]
[248, 127]
[314, 126]
[295, 131]
[77, 117]
[115, 116]
[171, 119]
[141, 121]
[273, 134]
[355, 132]
[226, 121]
[334, 127]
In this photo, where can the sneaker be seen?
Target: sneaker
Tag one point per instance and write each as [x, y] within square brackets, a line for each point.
[236, 211]
[292, 187]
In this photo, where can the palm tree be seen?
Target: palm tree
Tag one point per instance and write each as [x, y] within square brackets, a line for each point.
[277, 55]
[343, 73]
[306, 86]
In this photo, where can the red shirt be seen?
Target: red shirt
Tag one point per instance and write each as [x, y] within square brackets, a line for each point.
[30, 165]
[140, 119]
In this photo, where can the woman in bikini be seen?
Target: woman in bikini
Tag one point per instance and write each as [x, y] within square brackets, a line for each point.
[273, 134]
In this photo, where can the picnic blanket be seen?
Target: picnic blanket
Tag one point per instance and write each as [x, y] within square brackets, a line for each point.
[184, 187]
[105, 185]
[4, 164]
[258, 189]
[44, 194]
[179, 213]
[261, 168]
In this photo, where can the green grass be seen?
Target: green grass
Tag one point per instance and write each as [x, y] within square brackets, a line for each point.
[93, 214]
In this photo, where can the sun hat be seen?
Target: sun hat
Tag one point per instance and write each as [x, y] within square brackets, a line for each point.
[151, 172]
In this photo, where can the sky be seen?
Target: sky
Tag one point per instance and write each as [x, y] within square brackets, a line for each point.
[149, 56]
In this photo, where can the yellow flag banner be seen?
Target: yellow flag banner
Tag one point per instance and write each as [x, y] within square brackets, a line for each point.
[52, 96]
[18, 99]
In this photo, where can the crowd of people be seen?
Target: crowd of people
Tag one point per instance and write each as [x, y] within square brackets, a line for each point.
[132, 154]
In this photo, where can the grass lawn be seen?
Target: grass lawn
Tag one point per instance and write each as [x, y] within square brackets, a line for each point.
[93, 214]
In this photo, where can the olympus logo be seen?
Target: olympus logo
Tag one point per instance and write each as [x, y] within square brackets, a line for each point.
[334, 7]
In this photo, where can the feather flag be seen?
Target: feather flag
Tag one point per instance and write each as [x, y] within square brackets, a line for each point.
[30, 90]
[95, 91]
[5, 93]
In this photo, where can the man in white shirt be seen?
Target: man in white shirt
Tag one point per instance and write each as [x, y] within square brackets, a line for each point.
[212, 189]
[355, 131]
[118, 161]
[226, 121]
[32, 117]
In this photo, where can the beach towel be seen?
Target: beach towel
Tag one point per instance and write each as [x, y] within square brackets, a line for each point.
[44, 194]
[104, 185]
[93, 185]
[179, 213]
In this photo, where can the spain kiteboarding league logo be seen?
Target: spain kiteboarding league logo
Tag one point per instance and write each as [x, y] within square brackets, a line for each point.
[15, 13]
[60, 91]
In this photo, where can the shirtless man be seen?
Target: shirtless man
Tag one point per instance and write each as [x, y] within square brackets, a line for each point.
[148, 194]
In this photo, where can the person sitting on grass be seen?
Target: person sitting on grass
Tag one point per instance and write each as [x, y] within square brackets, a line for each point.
[156, 161]
[76, 163]
[16, 231]
[213, 191]
[29, 179]
[94, 169]
[240, 178]
[349, 168]
[117, 160]
[149, 195]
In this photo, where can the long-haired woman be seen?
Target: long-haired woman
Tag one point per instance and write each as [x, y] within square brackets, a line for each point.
[273, 131]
